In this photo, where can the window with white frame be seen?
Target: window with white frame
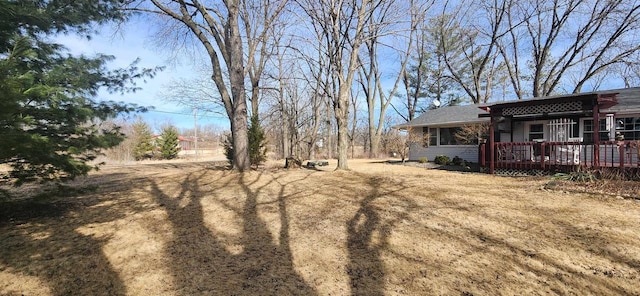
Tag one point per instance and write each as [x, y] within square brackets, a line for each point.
[629, 127]
[432, 140]
[433, 136]
[587, 130]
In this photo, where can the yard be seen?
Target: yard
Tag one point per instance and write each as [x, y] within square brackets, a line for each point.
[194, 228]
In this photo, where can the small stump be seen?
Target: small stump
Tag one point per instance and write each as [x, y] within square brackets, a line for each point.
[292, 163]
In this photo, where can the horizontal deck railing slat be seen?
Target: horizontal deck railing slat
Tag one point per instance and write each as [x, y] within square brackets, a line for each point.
[560, 155]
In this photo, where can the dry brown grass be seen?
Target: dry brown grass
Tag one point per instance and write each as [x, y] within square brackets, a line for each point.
[189, 229]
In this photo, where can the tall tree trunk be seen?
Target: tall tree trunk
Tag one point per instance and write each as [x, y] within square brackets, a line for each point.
[239, 125]
[375, 145]
[343, 142]
[329, 131]
[373, 151]
[286, 150]
[255, 96]
[219, 33]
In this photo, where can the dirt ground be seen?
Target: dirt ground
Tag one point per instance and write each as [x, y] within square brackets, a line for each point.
[379, 229]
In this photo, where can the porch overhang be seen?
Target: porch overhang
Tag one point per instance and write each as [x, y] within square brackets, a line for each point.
[556, 106]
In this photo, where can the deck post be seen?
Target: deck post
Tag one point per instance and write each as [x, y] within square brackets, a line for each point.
[492, 157]
[596, 134]
[621, 152]
[483, 154]
[543, 154]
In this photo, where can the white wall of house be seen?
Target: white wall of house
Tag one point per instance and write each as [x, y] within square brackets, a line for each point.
[518, 132]
[466, 152]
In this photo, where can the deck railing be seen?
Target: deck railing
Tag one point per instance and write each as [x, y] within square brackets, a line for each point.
[561, 155]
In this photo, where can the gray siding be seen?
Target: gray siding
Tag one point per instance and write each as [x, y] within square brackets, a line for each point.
[468, 153]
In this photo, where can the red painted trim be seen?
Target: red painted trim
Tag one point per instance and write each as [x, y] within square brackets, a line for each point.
[596, 134]
[492, 156]
[621, 152]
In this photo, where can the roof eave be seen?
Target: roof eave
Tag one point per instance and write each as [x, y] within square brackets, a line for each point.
[404, 126]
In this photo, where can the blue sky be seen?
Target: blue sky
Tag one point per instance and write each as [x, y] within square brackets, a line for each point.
[126, 46]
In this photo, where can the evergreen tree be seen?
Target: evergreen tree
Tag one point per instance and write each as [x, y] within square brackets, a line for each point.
[169, 143]
[143, 139]
[257, 141]
[227, 144]
[49, 122]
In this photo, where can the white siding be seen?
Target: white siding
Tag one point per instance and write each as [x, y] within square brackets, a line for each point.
[468, 153]
[518, 132]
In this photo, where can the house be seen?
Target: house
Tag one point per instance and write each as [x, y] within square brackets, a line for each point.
[437, 128]
[186, 143]
[546, 133]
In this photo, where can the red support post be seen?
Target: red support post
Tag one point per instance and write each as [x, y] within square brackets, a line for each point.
[596, 135]
[542, 154]
[621, 152]
[492, 156]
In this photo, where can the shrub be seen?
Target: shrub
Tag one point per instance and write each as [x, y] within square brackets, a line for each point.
[457, 160]
[576, 176]
[257, 142]
[442, 159]
[422, 160]
[227, 143]
[579, 175]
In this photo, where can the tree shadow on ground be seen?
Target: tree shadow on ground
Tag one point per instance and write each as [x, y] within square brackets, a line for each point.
[200, 260]
[40, 234]
[368, 234]
[469, 167]
[39, 238]
[560, 277]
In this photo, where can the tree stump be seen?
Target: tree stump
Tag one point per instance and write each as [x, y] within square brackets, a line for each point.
[292, 162]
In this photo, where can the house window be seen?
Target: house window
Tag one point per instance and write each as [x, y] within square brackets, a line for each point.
[433, 136]
[536, 131]
[432, 140]
[629, 127]
[448, 136]
[588, 130]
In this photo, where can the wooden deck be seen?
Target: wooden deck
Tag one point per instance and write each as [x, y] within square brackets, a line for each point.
[560, 156]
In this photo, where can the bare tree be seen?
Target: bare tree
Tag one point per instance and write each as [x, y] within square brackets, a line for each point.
[217, 27]
[467, 36]
[570, 43]
[295, 99]
[414, 78]
[342, 25]
[384, 23]
[195, 93]
[124, 152]
[260, 20]
[400, 142]
[630, 72]
[354, 122]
